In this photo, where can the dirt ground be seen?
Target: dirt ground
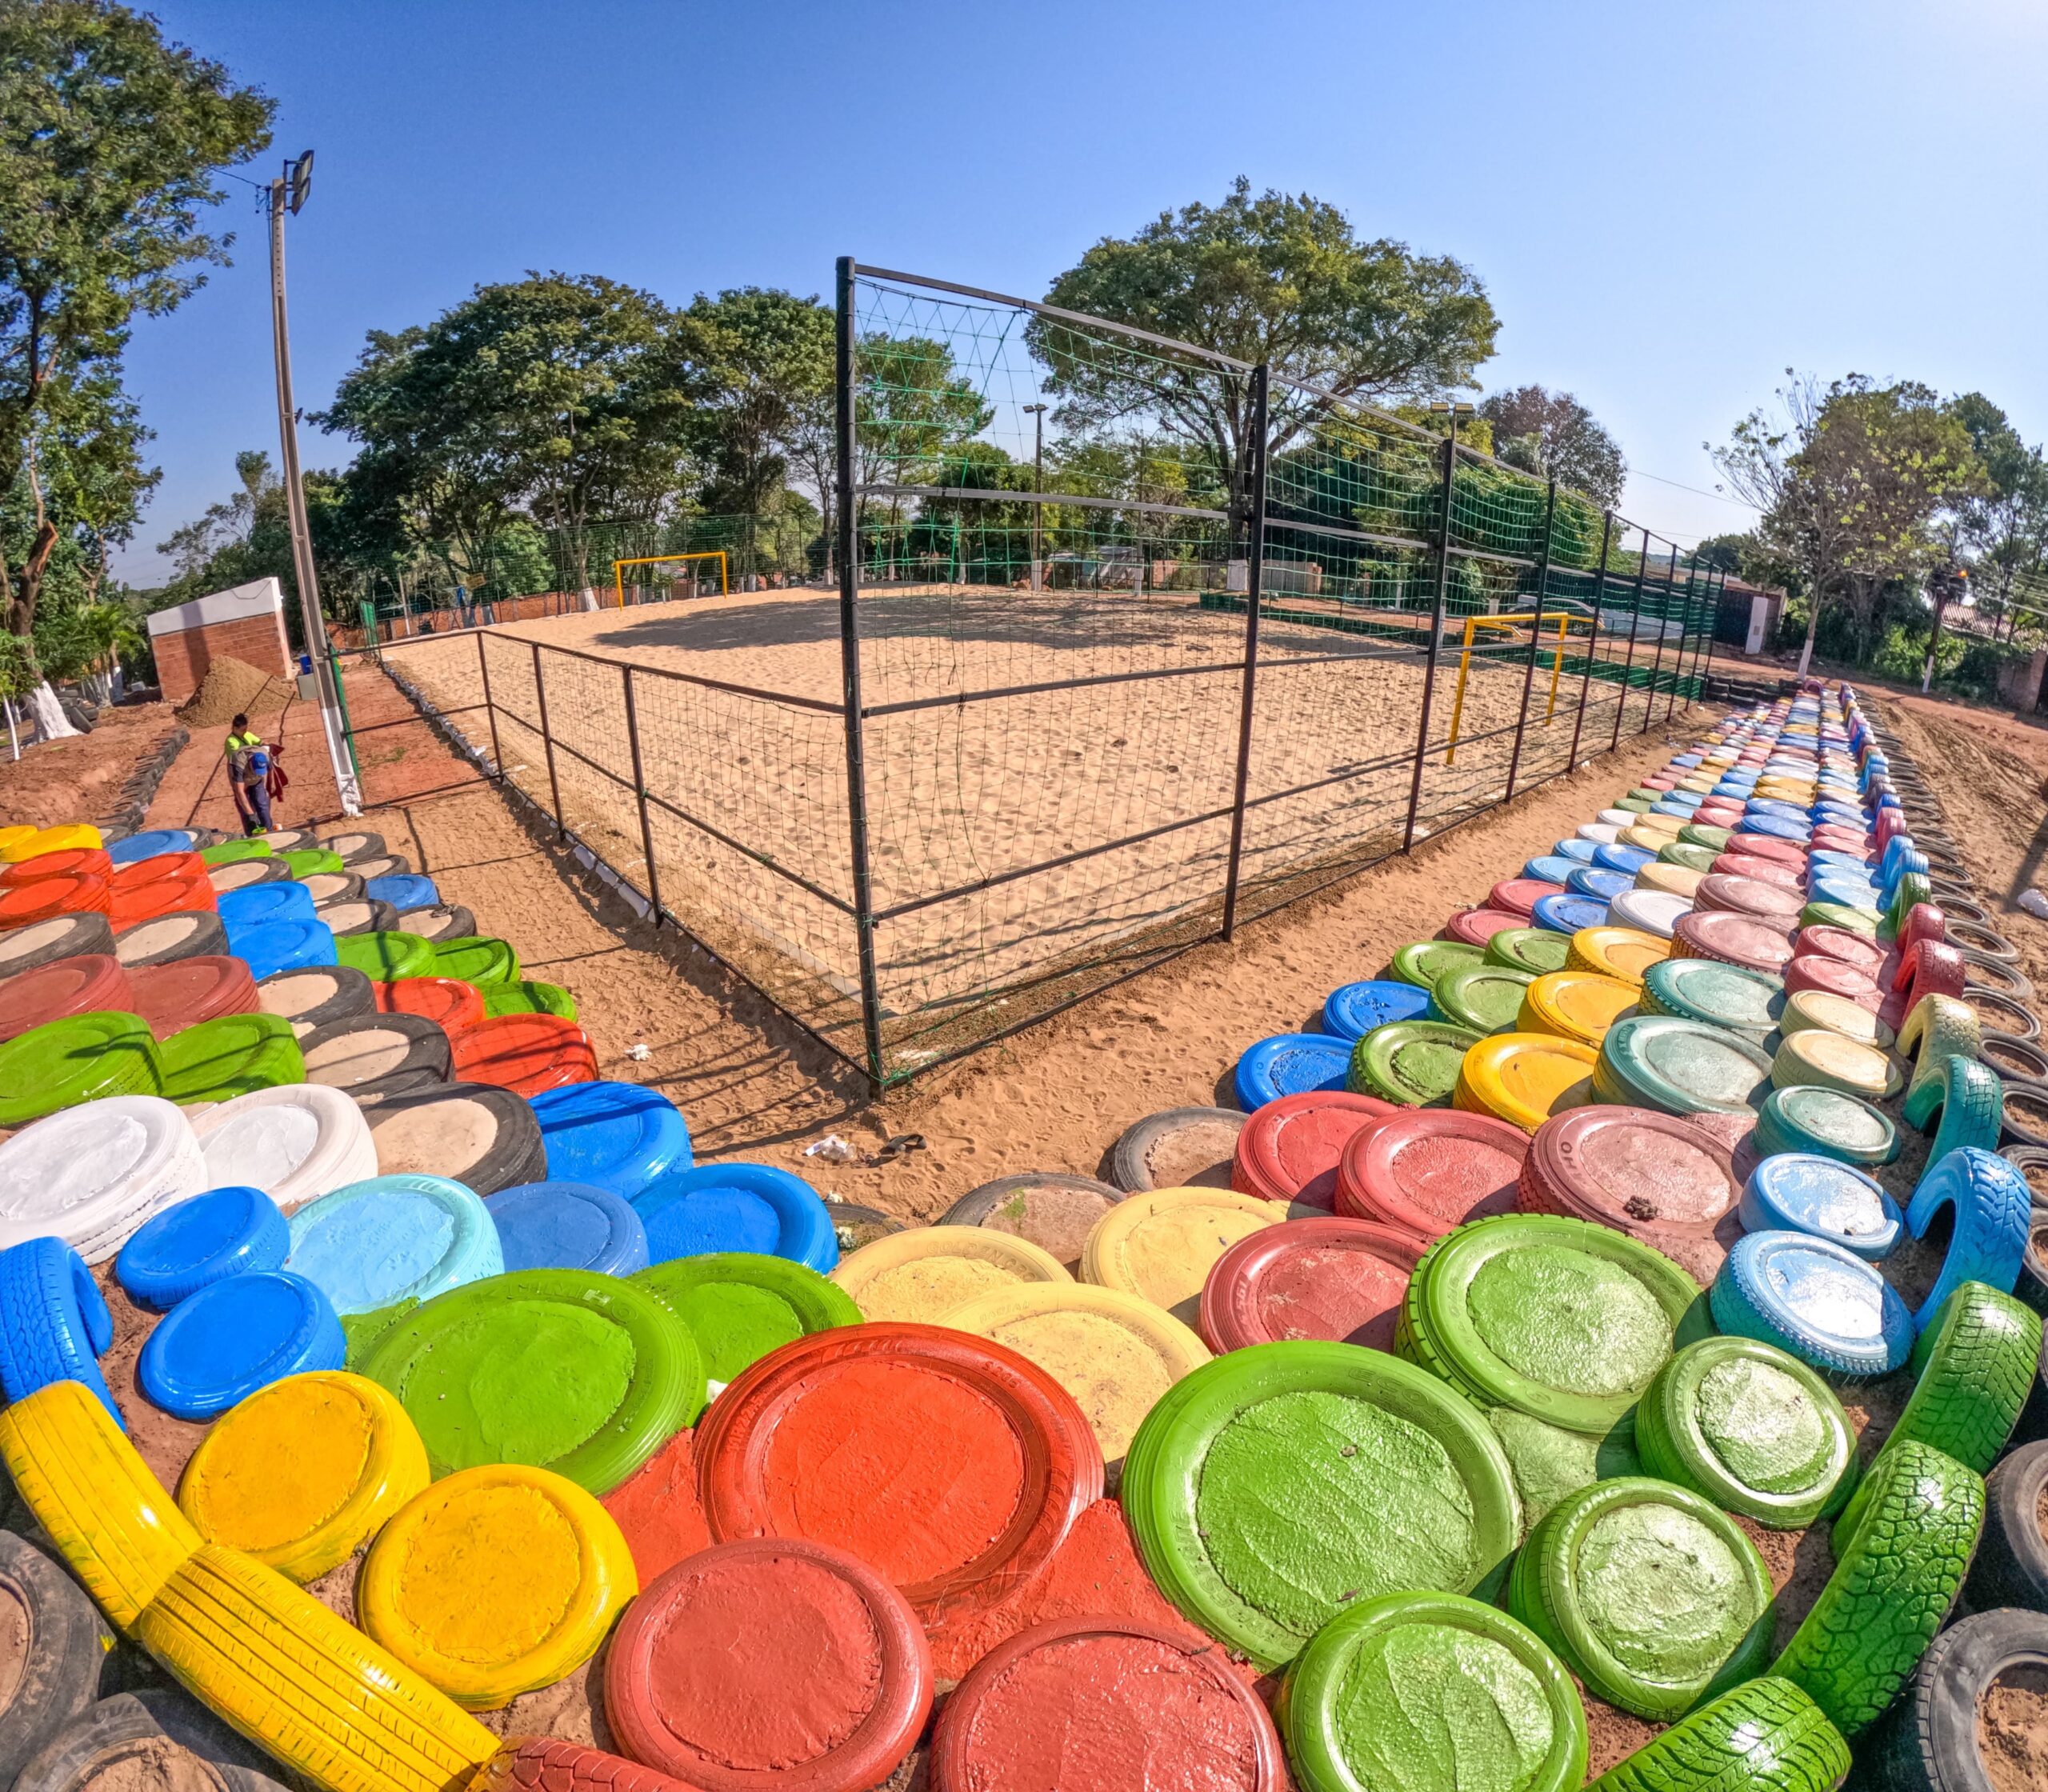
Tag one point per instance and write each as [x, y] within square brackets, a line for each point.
[79, 779]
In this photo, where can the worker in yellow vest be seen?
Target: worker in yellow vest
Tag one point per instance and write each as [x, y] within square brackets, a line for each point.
[241, 741]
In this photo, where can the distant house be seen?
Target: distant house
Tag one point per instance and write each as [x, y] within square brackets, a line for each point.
[1748, 617]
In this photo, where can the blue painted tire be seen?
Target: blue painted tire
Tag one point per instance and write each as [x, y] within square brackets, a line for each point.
[1679, 809]
[1290, 1064]
[278, 945]
[1800, 1191]
[153, 843]
[1551, 868]
[390, 1238]
[54, 1322]
[1839, 813]
[1829, 858]
[1568, 914]
[224, 1232]
[738, 1206]
[1989, 1244]
[1747, 1302]
[1354, 1010]
[219, 1347]
[1575, 848]
[619, 1136]
[1851, 893]
[567, 1226]
[407, 892]
[1772, 806]
[1597, 883]
[1619, 858]
[257, 905]
[1776, 827]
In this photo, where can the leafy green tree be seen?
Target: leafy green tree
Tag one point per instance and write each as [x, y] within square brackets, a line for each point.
[1553, 436]
[110, 139]
[1280, 278]
[2002, 529]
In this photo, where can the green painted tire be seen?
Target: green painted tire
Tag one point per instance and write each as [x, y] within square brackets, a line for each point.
[1422, 962]
[1974, 1368]
[1538, 950]
[1840, 914]
[81, 1058]
[1573, 1582]
[1684, 1426]
[1414, 1063]
[1549, 1462]
[1913, 888]
[1714, 994]
[1273, 1487]
[231, 852]
[1767, 1736]
[1939, 1028]
[1970, 1097]
[218, 1059]
[1682, 852]
[484, 962]
[1342, 1737]
[1699, 833]
[1678, 1066]
[386, 958]
[1555, 1295]
[529, 998]
[487, 1369]
[1902, 1547]
[1824, 1121]
[1484, 999]
[740, 1306]
[308, 861]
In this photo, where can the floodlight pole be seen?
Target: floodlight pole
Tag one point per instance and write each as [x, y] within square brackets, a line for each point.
[1037, 415]
[328, 686]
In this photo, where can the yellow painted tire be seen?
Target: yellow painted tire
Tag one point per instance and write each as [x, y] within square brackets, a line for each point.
[1621, 952]
[108, 1517]
[1161, 1245]
[13, 838]
[1575, 1004]
[1648, 838]
[316, 1692]
[49, 840]
[1524, 1078]
[496, 1582]
[922, 1275]
[1805, 1009]
[1115, 1353]
[1673, 880]
[305, 1472]
[1829, 1061]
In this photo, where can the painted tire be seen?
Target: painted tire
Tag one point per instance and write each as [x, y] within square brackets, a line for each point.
[736, 1206]
[103, 1511]
[740, 1306]
[567, 1226]
[376, 1054]
[1524, 1077]
[93, 1174]
[612, 1135]
[475, 1133]
[1338, 1280]
[1803, 1192]
[64, 987]
[525, 1053]
[1678, 1066]
[737, 1614]
[1354, 1010]
[256, 904]
[626, 1370]
[188, 991]
[1712, 993]
[1940, 1027]
[82, 1057]
[56, 1676]
[1288, 1152]
[294, 1143]
[1569, 914]
[68, 936]
[1161, 1245]
[235, 1338]
[1622, 953]
[1575, 1005]
[1992, 1206]
[547, 1764]
[1425, 1172]
[1767, 1736]
[1328, 1688]
[385, 957]
[199, 1241]
[218, 1060]
[300, 1475]
[1827, 1123]
[1770, 1276]
[1290, 1064]
[1750, 1428]
[54, 1322]
[1741, 940]
[529, 998]
[1538, 950]
[1410, 1063]
[316, 996]
[495, 1581]
[1901, 1549]
[1652, 1175]
[448, 1004]
[1578, 1268]
[477, 960]
[314, 1690]
[390, 1238]
[1817, 1058]
[1689, 1538]
[1974, 1366]
[1484, 999]
[283, 945]
[403, 891]
[1422, 962]
[921, 1275]
[1277, 1416]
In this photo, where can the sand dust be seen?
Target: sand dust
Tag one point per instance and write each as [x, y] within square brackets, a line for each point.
[14, 1639]
[79, 779]
[2012, 1730]
[233, 687]
[154, 1765]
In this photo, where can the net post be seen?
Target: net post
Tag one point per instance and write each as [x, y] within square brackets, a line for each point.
[1635, 621]
[844, 443]
[1657, 659]
[1535, 639]
[1436, 635]
[1684, 623]
[1703, 660]
[1593, 642]
[1255, 586]
[640, 796]
[489, 708]
[547, 740]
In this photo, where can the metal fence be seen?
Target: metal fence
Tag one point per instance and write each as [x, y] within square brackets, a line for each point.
[1131, 643]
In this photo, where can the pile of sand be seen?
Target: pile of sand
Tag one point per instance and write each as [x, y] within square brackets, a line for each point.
[233, 687]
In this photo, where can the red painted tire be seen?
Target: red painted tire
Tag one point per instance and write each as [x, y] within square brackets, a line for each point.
[44, 898]
[183, 992]
[1731, 939]
[1289, 1149]
[960, 1465]
[66, 861]
[739, 1666]
[524, 1053]
[1431, 1171]
[1140, 1706]
[1476, 926]
[1815, 971]
[1778, 852]
[1519, 896]
[1849, 947]
[1342, 1280]
[1764, 870]
[1720, 894]
[145, 901]
[83, 985]
[447, 1001]
[546, 1765]
[133, 876]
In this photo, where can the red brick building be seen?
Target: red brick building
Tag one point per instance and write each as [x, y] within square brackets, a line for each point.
[246, 622]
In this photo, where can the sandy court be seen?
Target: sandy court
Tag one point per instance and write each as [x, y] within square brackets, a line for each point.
[976, 772]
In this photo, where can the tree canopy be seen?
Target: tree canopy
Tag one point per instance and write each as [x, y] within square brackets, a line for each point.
[1553, 436]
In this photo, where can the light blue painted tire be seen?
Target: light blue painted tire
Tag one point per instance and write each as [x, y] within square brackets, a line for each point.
[392, 1238]
[1802, 1191]
[1757, 1291]
[1992, 1204]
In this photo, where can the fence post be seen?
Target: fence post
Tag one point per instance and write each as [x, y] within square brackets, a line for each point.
[547, 740]
[1535, 639]
[1254, 588]
[1685, 626]
[1628, 663]
[1592, 646]
[490, 709]
[640, 795]
[1704, 650]
[845, 444]
[1657, 660]
[1436, 632]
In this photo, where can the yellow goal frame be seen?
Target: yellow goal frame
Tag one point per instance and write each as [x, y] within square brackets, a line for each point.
[1564, 618]
[618, 569]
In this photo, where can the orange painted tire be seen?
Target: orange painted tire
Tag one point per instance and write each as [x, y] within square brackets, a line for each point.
[89, 861]
[447, 1001]
[526, 1054]
[146, 902]
[546, 1764]
[22, 905]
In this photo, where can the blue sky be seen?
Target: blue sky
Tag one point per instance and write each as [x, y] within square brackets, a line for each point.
[1670, 203]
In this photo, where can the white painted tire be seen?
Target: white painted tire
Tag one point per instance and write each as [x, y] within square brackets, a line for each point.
[92, 1174]
[295, 1143]
[1648, 911]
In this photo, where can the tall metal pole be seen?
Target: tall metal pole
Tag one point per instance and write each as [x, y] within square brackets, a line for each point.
[1593, 640]
[1657, 660]
[332, 725]
[1685, 627]
[1255, 586]
[1628, 660]
[1436, 633]
[1535, 640]
[1037, 485]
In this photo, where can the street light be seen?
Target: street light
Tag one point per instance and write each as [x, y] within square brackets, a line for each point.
[1037, 414]
[1446, 407]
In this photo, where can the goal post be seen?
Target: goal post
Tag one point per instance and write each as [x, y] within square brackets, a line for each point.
[1508, 624]
[619, 568]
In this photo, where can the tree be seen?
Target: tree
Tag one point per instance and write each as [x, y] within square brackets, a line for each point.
[1720, 553]
[1281, 279]
[110, 139]
[2002, 530]
[1553, 436]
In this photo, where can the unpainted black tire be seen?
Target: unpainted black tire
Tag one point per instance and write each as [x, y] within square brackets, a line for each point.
[2011, 1568]
[207, 939]
[68, 1645]
[1999, 974]
[92, 1742]
[2023, 1118]
[2011, 1056]
[1998, 1014]
[504, 1164]
[63, 936]
[352, 998]
[1129, 1168]
[443, 921]
[425, 1059]
[1962, 908]
[1929, 1742]
[356, 843]
[1992, 944]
